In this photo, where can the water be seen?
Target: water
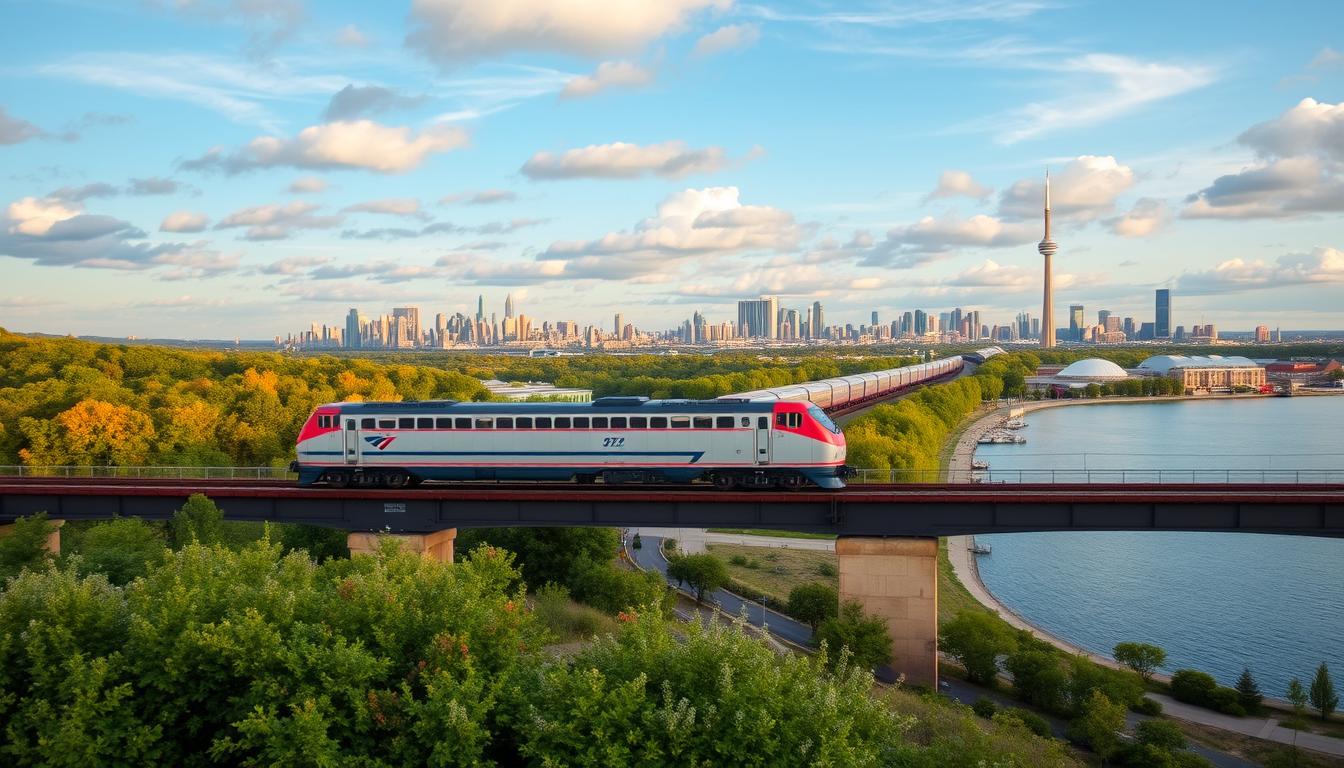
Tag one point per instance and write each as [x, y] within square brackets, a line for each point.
[1215, 601]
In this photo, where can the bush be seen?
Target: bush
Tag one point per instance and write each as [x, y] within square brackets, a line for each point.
[828, 570]
[738, 560]
[865, 636]
[1162, 734]
[611, 589]
[1147, 706]
[1192, 686]
[1034, 722]
[754, 564]
[1227, 701]
[976, 639]
[813, 603]
[985, 708]
[25, 546]
[120, 549]
[569, 621]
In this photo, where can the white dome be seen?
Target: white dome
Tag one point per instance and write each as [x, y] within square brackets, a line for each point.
[1093, 368]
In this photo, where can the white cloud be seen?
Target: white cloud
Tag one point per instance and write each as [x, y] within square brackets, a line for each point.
[453, 31]
[729, 38]
[1084, 189]
[1323, 265]
[393, 206]
[184, 221]
[354, 101]
[1327, 57]
[36, 216]
[1146, 217]
[951, 231]
[609, 74]
[277, 222]
[352, 36]
[482, 197]
[358, 144]
[307, 185]
[958, 184]
[15, 131]
[671, 159]
[294, 265]
[1309, 128]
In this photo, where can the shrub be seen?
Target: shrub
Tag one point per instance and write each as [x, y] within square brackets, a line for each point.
[828, 570]
[985, 708]
[1227, 701]
[754, 564]
[1192, 686]
[612, 589]
[121, 549]
[1140, 657]
[739, 560]
[976, 640]
[1034, 722]
[569, 621]
[1147, 706]
[865, 636]
[1162, 734]
[813, 603]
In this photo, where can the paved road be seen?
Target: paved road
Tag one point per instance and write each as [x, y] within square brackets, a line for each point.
[693, 540]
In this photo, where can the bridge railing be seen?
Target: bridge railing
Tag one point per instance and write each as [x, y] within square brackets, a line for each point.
[1106, 476]
[152, 473]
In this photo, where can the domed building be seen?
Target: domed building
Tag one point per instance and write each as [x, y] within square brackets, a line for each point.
[1093, 369]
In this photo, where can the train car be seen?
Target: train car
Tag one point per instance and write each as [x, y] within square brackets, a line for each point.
[731, 443]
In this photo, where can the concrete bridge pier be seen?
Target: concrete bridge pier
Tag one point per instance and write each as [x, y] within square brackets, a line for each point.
[896, 579]
[436, 546]
[53, 544]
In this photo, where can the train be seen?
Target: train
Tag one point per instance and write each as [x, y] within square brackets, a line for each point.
[849, 391]
[732, 443]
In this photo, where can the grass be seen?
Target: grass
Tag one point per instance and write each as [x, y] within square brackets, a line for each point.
[569, 621]
[778, 570]
[953, 597]
[775, 534]
[1254, 750]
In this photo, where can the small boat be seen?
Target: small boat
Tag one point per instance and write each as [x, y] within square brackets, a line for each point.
[1001, 438]
[979, 464]
[1014, 424]
[976, 548]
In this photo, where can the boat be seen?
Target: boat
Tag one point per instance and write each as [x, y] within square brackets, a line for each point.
[979, 464]
[1001, 438]
[1014, 424]
[976, 548]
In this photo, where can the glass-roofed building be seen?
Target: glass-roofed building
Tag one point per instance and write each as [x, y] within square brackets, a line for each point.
[1212, 372]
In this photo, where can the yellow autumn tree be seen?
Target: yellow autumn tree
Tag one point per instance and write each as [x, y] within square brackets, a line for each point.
[92, 433]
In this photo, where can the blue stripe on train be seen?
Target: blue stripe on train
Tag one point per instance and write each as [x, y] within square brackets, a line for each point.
[695, 456]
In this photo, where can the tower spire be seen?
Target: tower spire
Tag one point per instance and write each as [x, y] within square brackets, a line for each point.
[1047, 248]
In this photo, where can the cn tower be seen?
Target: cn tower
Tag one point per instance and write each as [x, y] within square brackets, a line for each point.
[1047, 248]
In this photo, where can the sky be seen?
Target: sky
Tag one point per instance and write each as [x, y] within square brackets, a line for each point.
[245, 168]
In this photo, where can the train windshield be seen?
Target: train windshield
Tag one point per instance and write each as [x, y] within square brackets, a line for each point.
[822, 418]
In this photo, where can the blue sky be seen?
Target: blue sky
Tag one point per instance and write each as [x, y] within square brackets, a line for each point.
[225, 168]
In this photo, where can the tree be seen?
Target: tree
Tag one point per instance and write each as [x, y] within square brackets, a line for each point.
[548, 554]
[1140, 657]
[1323, 696]
[702, 572]
[813, 603]
[121, 549]
[198, 521]
[865, 636]
[1163, 734]
[1098, 725]
[1193, 686]
[25, 546]
[1248, 692]
[1039, 676]
[977, 639]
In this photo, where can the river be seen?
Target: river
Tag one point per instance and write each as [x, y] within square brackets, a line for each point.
[1215, 601]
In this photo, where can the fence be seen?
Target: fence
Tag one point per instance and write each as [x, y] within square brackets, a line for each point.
[156, 473]
[1107, 476]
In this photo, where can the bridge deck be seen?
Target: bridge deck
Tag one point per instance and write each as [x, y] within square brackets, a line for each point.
[868, 510]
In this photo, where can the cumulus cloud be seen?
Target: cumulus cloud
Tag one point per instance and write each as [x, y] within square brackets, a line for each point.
[451, 32]
[958, 184]
[354, 101]
[352, 36]
[294, 265]
[84, 192]
[729, 38]
[1301, 168]
[359, 144]
[184, 221]
[277, 222]
[1146, 217]
[35, 216]
[609, 74]
[1084, 189]
[441, 228]
[307, 185]
[670, 159]
[1323, 265]
[483, 197]
[392, 206]
[151, 186]
[16, 131]
[951, 231]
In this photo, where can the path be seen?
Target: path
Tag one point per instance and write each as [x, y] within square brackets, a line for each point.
[693, 540]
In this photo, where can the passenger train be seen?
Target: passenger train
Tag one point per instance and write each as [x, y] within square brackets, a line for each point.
[769, 438]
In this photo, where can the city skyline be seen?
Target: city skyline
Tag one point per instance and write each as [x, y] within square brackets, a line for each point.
[191, 167]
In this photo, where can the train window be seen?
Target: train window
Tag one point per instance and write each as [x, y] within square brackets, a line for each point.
[366, 423]
[580, 422]
[562, 422]
[618, 422]
[781, 419]
[504, 422]
[323, 422]
[746, 421]
[443, 423]
[724, 422]
[406, 423]
[704, 422]
[485, 422]
[681, 422]
[424, 423]
[543, 422]
[599, 422]
[461, 423]
[763, 422]
[387, 423]
[794, 420]
[658, 422]
[349, 423]
[523, 422]
[639, 422]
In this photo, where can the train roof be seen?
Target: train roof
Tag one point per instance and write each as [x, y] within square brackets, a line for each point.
[600, 406]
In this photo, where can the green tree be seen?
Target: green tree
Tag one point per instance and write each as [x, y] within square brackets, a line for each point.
[121, 549]
[1297, 696]
[1248, 691]
[199, 521]
[1143, 658]
[1322, 694]
[1039, 676]
[853, 636]
[1120, 686]
[1098, 725]
[701, 572]
[976, 639]
[813, 603]
[548, 554]
[1163, 734]
[25, 546]
[320, 543]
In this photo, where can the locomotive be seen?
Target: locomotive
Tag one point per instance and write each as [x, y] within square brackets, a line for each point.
[730, 442]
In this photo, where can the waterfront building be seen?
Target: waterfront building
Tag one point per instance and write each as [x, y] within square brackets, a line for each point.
[1047, 249]
[1200, 373]
[1076, 375]
[1162, 321]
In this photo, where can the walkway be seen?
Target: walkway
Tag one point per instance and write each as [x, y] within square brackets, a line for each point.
[693, 540]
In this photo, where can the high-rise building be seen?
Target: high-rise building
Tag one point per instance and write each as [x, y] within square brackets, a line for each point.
[874, 323]
[508, 306]
[1047, 249]
[1261, 333]
[1076, 322]
[618, 324]
[480, 308]
[758, 318]
[1162, 322]
[353, 324]
[1129, 327]
[1102, 314]
[818, 320]
[921, 322]
[409, 327]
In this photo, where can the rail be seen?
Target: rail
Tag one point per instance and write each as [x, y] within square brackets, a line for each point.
[153, 473]
[1108, 476]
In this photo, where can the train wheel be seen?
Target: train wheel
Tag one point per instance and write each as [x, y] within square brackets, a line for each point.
[397, 479]
[338, 479]
[724, 482]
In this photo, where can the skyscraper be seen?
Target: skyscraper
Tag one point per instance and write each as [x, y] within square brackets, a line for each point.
[508, 306]
[618, 323]
[480, 308]
[410, 326]
[352, 326]
[818, 321]
[1047, 248]
[1162, 323]
[874, 317]
[758, 318]
[1076, 325]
